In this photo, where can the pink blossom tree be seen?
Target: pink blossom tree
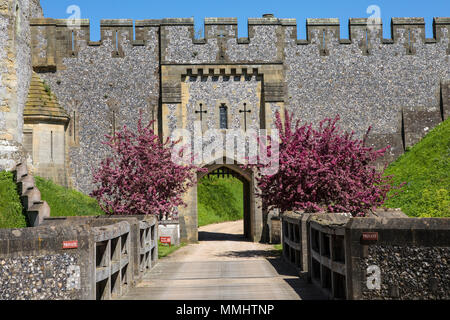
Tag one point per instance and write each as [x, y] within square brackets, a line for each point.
[323, 169]
[139, 177]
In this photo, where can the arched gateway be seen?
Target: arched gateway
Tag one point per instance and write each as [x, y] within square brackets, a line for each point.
[253, 214]
[223, 98]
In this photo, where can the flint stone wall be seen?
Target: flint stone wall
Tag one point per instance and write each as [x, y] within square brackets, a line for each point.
[101, 93]
[33, 265]
[413, 255]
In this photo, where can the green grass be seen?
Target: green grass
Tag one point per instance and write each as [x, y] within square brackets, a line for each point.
[426, 170]
[165, 250]
[65, 202]
[11, 216]
[220, 200]
[278, 248]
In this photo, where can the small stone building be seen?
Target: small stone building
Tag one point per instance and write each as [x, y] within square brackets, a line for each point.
[44, 132]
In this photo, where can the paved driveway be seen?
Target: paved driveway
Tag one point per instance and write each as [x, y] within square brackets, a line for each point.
[223, 266]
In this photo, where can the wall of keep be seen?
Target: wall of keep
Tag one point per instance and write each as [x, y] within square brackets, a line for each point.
[15, 74]
[220, 43]
[103, 86]
[234, 91]
[392, 85]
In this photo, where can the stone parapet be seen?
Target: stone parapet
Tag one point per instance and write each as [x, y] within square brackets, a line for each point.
[384, 256]
[81, 258]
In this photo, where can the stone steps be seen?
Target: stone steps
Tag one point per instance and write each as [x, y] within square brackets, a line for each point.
[35, 209]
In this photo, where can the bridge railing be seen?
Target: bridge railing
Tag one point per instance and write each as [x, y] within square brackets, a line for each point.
[148, 248]
[112, 260]
[294, 240]
[327, 255]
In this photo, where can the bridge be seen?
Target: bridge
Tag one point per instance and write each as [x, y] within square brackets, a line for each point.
[223, 266]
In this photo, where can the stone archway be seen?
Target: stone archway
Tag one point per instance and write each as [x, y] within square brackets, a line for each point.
[253, 216]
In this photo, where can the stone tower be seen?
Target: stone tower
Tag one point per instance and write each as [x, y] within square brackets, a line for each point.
[44, 132]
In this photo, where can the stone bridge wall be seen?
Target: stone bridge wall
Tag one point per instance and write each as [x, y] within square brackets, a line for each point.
[104, 258]
[407, 257]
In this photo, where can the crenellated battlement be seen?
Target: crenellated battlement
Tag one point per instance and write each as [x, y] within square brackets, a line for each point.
[399, 86]
[55, 39]
[212, 25]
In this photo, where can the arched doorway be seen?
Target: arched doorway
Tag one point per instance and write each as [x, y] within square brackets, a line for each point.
[225, 199]
[252, 216]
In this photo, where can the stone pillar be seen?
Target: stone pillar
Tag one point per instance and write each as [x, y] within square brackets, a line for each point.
[188, 216]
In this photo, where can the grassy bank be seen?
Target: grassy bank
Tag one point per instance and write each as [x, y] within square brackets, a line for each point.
[65, 202]
[11, 215]
[426, 170]
[219, 200]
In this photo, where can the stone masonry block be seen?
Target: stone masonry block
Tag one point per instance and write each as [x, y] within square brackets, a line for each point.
[418, 122]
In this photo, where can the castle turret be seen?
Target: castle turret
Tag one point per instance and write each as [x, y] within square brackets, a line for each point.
[44, 135]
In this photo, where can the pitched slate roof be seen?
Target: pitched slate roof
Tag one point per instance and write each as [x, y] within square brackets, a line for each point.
[42, 103]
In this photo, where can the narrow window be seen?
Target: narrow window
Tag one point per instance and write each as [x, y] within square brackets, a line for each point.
[74, 127]
[28, 141]
[18, 20]
[367, 39]
[51, 145]
[114, 123]
[117, 40]
[73, 42]
[223, 116]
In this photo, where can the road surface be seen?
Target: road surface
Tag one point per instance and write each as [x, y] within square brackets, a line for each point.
[223, 266]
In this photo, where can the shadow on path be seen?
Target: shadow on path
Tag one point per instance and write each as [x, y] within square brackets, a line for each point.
[215, 236]
[298, 282]
[250, 254]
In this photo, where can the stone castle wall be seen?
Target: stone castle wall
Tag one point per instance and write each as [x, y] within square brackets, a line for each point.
[398, 86]
[101, 88]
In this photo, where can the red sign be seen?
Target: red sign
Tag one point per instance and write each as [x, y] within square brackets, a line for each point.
[370, 236]
[165, 240]
[70, 244]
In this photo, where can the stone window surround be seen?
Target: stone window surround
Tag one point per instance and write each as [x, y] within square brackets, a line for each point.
[271, 75]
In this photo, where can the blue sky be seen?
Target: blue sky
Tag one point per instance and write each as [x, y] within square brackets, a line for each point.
[95, 10]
